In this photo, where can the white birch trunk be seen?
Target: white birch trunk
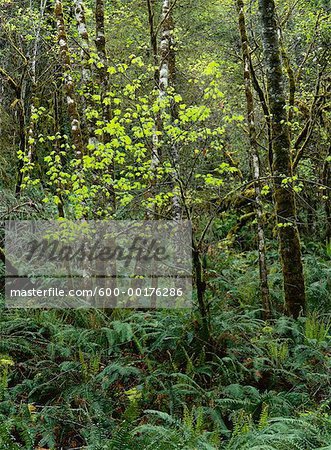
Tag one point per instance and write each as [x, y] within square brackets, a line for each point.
[165, 77]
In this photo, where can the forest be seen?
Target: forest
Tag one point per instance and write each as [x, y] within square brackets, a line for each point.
[216, 112]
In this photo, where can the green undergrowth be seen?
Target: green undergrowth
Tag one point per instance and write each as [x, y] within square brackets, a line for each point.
[146, 380]
[143, 380]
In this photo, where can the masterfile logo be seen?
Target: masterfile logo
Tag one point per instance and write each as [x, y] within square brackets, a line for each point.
[75, 263]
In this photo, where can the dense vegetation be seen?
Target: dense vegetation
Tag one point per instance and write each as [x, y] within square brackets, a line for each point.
[216, 112]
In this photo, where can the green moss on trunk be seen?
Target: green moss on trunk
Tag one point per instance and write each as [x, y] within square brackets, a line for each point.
[290, 251]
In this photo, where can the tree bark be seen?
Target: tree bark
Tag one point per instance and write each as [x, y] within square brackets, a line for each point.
[326, 179]
[22, 139]
[100, 43]
[167, 74]
[165, 79]
[69, 87]
[289, 241]
[204, 329]
[153, 40]
[100, 40]
[86, 77]
[255, 160]
[84, 36]
[17, 87]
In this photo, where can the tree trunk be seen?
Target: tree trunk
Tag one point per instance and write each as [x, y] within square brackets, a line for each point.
[153, 40]
[326, 180]
[165, 77]
[68, 82]
[86, 77]
[290, 251]
[255, 160]
[155, 157]
[22, 146]
[17, 87]
[100, 43]
[167, 74]
[100, 40]
[83, 33]
[204, 329]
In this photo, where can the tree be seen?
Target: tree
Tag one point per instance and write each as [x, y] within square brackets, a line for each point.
[254, 157]
[69, 86]
[289, 241]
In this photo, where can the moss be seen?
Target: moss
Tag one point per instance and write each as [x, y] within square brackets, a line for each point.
[290, 251]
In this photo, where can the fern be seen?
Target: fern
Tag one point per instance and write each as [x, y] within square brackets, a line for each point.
[315, 329]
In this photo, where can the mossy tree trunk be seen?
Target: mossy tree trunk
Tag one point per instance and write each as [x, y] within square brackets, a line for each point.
[326, 180]
[69, 87]
[290, 251]
[17, 87]
[84, 39]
